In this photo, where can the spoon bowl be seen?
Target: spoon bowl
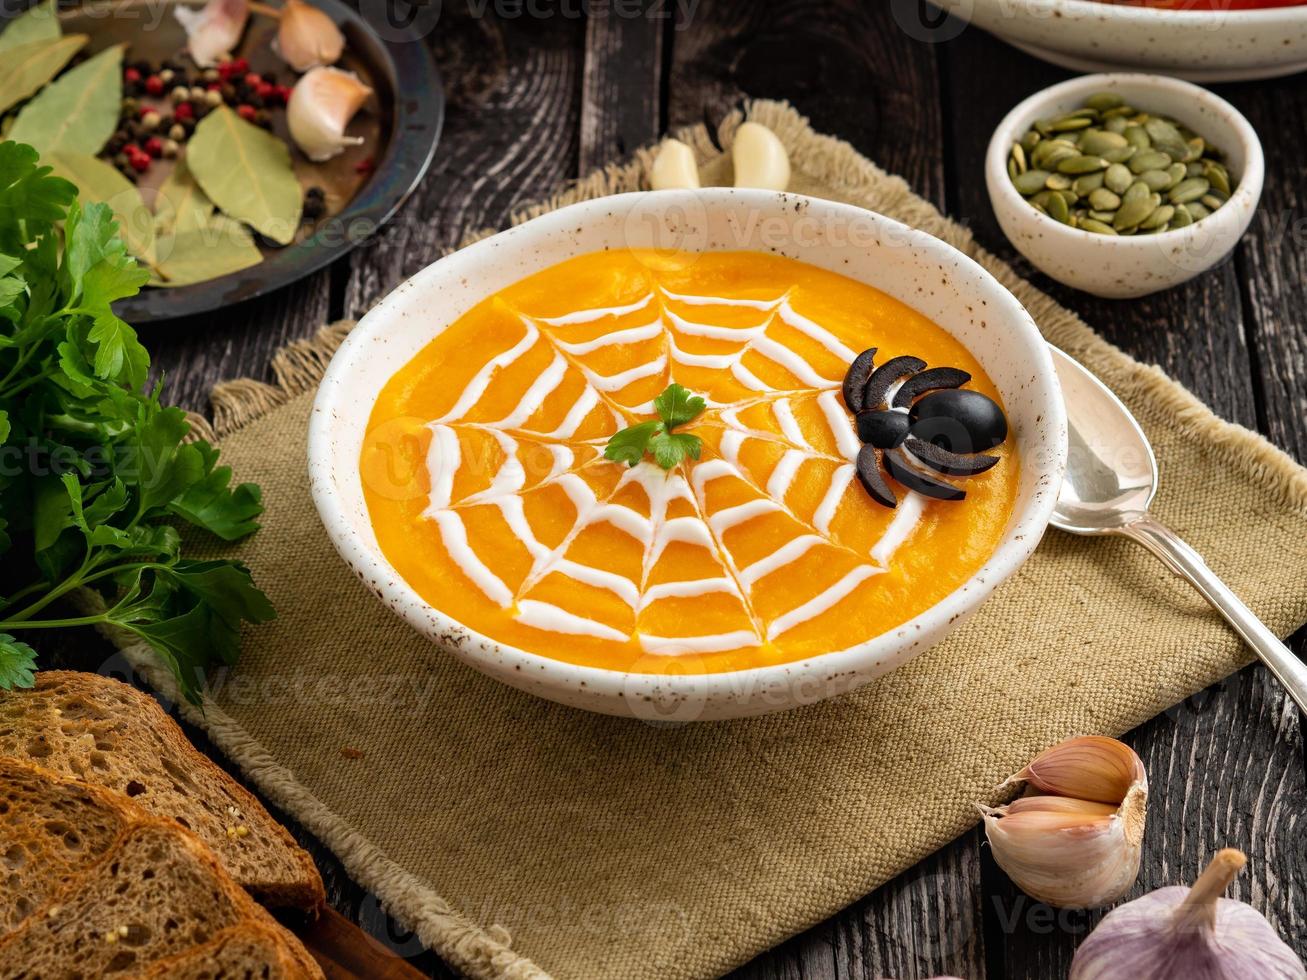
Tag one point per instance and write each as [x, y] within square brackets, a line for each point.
[1109, 482]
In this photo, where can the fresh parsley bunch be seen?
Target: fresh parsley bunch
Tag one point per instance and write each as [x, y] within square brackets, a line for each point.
[95, 474]
[675, 406]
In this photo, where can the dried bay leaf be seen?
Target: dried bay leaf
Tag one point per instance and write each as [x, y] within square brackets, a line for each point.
[180, 204]
[38, 23]
[98, 181]
[24, 68]
[218, 247]
[247, 173]
[78, 112]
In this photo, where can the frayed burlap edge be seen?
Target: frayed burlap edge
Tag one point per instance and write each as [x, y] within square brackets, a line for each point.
[297, 368]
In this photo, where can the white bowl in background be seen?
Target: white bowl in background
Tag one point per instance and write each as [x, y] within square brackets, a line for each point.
[1119, 266]
[1203, 46]
[916, 268]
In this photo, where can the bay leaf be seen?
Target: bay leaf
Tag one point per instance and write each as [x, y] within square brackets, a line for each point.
[24, 68]
[78, 112]
[37, 23]
[247, 173]
[180, 205]
[217, 247]
[98, 181]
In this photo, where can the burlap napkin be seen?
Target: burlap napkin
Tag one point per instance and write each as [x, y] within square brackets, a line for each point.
[521, 838]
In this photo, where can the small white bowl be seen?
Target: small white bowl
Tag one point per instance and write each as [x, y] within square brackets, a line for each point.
[916, 268]
[1118, 267]
[1201, 45]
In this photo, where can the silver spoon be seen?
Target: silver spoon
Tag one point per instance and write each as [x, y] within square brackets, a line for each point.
[1111, 477]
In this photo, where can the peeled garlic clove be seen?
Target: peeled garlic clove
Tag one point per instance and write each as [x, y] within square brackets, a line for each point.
[320, 107]
[1059, 804]
[214, 31]
[1088, 767]
[760, 158]
[1180, 933]
[307, 37]
[673, 167]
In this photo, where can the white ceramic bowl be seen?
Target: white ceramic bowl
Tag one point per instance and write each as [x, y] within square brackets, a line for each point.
[1203, 46]
[920, 270]
[1122, 266]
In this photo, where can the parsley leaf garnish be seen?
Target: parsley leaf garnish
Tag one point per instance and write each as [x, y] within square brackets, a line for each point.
[97, 473]
[675, 406]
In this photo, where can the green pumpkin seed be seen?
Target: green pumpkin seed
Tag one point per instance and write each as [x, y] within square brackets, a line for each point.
[1070, 124]
[1018, 157]
[1094, 225]
[1104, 200]
[1182, 217]
[1081, 165]
[1158, 218]
[1012, 170]
[1149, 160]
[1106, 216]
[1039, 207]
[1031, 182]
[1086, 184]
[1115, 124]
[1121, 155]
[1136, 136]
[1117, 178]
[1102, 101]
[1217, 176]
[1138, 191]
[1198, 210]
[1156, 179]
[1161, 131]
[1029, 140]
[1058, 208]
[1194, 149]
[1097, 142]
[1190, 189]
[1058, 182]
[1043, 126]
[1119, 112]
[1211, 201]
[1177, 172]
[1132, 213]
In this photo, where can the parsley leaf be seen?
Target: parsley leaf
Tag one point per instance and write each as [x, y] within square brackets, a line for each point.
[675, 406]
[102, 472]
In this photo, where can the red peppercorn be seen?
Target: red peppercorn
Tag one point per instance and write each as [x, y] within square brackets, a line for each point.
[154, 147]
[131, 75]
[140, 163]
[265, 90]
[131, 149]
[214, 87]
[154, 85]
[226, 69]
[283, 93]
[365, 166]
[183, 111]
[246, 112]
[240, 66]
[253, 80]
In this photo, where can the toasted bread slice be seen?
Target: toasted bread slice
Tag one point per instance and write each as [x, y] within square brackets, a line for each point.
[249, 951]
[105, 732]
[52, 830]
[157, 894]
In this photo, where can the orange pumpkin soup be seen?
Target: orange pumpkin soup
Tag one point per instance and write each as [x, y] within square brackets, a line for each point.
[485, 477]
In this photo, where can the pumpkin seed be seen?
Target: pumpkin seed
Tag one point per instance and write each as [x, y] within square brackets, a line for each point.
[1161, 131]
[1104, 200]
[1137, 137]
[1198, 210]
[1149, 160]
[1086, 184]
[1106, 216]
[1193, 149]
[1177, 172]
[1119, 112]
[1101, 227]
[1217, 176]
[1115, 124]
[1058, 182]
[1031, 182]
[1158, 218]
[1096, 142]
[1117, 178]
[1029, 140]
[1190, 189]
[1058, 208]
[1018, 157]
[1081, 165]
[1132, 213]
[1182, 217]
[1121, 155]
[1138, 191]
[1068, 124]
[1102, 101]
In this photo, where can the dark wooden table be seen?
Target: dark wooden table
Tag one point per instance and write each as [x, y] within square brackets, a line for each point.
[540, 92]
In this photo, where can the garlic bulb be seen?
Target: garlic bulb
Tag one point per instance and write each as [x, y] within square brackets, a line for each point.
[673, 167]
[320, 107]
[214, 31]
[1078, 843]
[1181, 933]
[307, 37]
[760, 158]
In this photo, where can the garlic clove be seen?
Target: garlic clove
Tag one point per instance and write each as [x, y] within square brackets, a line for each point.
[673, 167]
[760, 158]
[1066, 858]
[1181, 933]
[320, 107]
[1088, 767]
[214, 31]
[1059, 804]
[307, 37]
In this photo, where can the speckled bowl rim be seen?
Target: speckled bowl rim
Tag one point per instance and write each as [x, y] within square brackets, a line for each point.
[712, 695]
[1247, 192]
[1154, 16]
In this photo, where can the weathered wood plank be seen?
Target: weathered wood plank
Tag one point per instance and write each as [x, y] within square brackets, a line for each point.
[621, 86]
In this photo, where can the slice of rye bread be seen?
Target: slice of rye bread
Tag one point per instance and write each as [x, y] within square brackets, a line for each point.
[52, 829]
[249, 951]
[157, 894]
[105, 732]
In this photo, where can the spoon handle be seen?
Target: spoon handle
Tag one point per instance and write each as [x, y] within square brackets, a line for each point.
[1187, 563]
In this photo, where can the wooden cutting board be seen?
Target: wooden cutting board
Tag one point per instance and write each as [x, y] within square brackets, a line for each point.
[346, 952]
